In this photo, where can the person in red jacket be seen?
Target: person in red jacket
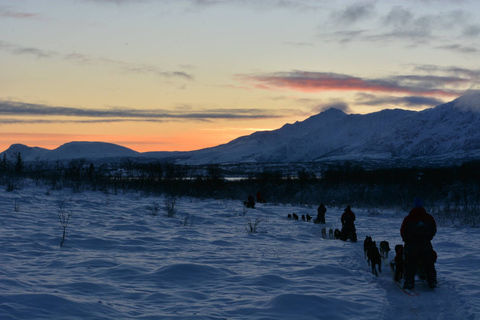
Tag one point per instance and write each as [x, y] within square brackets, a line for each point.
[417, 231]
[348, 225]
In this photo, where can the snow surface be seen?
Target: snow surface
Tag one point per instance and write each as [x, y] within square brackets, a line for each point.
[120, 261]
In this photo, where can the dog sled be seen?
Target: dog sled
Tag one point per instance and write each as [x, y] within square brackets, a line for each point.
[397, 267]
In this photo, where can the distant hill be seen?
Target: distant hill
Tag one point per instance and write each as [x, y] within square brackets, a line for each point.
[445, 134]
[71, 150]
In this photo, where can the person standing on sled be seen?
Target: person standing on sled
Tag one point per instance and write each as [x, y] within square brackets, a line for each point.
[348, 226]
[417, 231]
[321, 214]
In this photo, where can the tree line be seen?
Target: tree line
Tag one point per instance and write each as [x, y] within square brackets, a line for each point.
[452, 193]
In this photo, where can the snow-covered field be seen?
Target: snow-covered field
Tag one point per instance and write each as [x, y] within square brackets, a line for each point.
[120, 261]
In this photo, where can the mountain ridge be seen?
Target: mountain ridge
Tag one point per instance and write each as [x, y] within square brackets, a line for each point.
[446, 133]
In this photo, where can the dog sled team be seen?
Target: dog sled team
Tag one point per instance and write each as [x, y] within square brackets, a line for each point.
[416, 257]
[348, 224]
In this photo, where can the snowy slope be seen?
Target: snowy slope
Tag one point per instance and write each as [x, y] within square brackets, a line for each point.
[121, 262]
[26, 152]
[320, 136]
[448, 128]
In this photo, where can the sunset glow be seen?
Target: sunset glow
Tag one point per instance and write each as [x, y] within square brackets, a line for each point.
[189, 74]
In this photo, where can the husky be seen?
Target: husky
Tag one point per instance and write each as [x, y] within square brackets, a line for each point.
[366, 243]
[374, 257]
[384, 249]
[324, 233]
[398, 264]
[337, 234]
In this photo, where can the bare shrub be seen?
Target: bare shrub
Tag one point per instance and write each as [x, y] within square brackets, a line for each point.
[170, 205]
[64, 218]
[244, 212]
[155, 208]
[187, 218]
[253, 226]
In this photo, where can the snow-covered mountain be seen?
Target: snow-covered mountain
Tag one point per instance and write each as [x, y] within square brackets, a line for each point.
[71, 150]
[445, 134]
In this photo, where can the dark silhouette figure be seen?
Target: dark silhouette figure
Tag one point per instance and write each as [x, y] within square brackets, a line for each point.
[398, 264]
[321, 214]
[260, 197]
[348, 225]
[250, 202]
[417, 231]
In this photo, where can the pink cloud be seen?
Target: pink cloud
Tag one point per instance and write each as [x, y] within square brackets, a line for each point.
[320, 81]
[16, 15]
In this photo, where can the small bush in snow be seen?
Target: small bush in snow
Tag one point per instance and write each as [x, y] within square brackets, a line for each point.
[244, 212]
[64, 218]
[155, 208]
[189, 217]
[252, 226]
[170, 205]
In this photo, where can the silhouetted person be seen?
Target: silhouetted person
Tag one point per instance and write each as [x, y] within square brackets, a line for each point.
[348, 225]
[260, 197]
[417, 231]
[321, 213]
[250, 202]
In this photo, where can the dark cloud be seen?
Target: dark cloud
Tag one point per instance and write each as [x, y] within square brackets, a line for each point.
[205, 4]
[460, 48]
[20, 50]
[118, 1]
[126, 67]
[9, 108]
[473, 75]
[263, 4]
[34, 52]
[144, 69]
[432, 81]
[348, 35]
[45, 121]
[472, 31]
[407, 101]
[404, 23]
[354, 13]
[336, 105]
[299, 44]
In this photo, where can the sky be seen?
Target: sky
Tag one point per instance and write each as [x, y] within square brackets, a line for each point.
[180, 75]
